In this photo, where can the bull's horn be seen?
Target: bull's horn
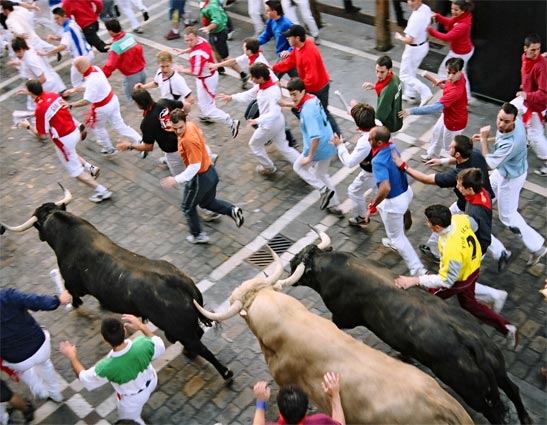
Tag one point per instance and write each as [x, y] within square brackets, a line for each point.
[325, 240]
[218, 317]
[292, 279]
[278, 271]
[21, 228]
[67, 196]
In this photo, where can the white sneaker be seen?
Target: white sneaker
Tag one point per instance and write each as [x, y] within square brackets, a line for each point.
[499, 301]
[537, 256]
[100, 196]
[387, 243]
[201, 238]
[512, 336]
[541, 171]
[410, 99]
[94, 171]
[426, 157]
[109, 152]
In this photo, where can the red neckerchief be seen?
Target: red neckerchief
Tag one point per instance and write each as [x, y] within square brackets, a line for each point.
[145, 111]
[254, 57]
[266, 84]
[89, 71]
[118, 36]
[204, 20]
[379, 86]
[282, 420]
[482, 199]
[39, 98]
[528, 64]
[379, 148]
[304, 99]
[456, 19]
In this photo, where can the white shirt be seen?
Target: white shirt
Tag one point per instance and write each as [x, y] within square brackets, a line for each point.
[418, 22]
[174, 85]
[32, 66]
[74, 40]
[267, 101]
[19, 22]
[96, 86]
[244, 62]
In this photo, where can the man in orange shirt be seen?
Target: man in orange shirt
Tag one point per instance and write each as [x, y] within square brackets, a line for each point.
[200, 178]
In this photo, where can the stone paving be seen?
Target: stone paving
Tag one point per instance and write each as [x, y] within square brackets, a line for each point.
[145, 218]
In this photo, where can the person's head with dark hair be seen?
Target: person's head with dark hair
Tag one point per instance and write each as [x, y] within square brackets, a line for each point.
[296, 35]
[113, 331]
[296, 89]
[292, 403]
[275, 6]
[384, 60]
[34, 87]
[438, 216]
[252, 45]
[178, 121]
[383, 67]
[532, 39]
[19, 46]
[363, 114]
[142, 98]
[454, 64]
[7, 6]
[259, 71]
[59, 16]
[469, 181]
[59, 11]
[460, 6]
[506, 118]
[378, 136]
[461, 145]
[113, 25]
[532, 47]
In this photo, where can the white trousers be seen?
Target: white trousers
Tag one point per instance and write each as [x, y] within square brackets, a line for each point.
[130, 407]
[392, 211]
[110, 113]
[206, 89]
[276, 133]
[174, 163]
[305, 11]
[356, 191]
[411, 60]
[127, 10]
[442, 69]
[507, 194]
[316, 174]
[38, 372]
[441, 137]
[256, 10]
[67, 154]
[536, 136]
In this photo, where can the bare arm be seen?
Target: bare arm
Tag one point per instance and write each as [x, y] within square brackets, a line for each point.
[69, 351]
[331, 386]
[262, 394]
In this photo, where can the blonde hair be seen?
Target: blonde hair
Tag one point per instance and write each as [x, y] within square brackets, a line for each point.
[164, 56]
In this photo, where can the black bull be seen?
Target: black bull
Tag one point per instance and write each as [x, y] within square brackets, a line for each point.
[442, 337]
[124, 282]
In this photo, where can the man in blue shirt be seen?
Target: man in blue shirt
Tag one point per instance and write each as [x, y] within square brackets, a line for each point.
[393, 198]
[313, 163]
[276, 25]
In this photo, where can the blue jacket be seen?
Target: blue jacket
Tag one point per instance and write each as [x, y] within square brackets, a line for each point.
[275, 29]
[21, 335]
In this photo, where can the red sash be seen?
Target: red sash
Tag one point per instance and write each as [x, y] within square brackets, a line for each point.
[92, 119]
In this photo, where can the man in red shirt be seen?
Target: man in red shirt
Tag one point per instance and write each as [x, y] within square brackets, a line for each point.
[125, 55]
[453, 105]
[53, 118]
[86, 14]
[534, 96]
[307, 59]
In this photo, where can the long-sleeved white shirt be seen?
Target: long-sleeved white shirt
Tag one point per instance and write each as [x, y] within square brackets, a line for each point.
[267, 101]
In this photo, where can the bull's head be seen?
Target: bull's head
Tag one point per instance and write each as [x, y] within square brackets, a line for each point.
[243, 296]
[40, 215]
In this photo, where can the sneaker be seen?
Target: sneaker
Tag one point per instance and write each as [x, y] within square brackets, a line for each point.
[541, 171]
[209, 216]
[172, 35]
[188, 22]
[201, 238]
[335, 211]
[237, 215]
[426, 99]
[83, 132]
[265, 171]
[138, 30]
[357, 221]
[512, 336]
[163, 161]
[503, 260]
[293, 143]
[426, 157]
[244, 81]
[28, 414]
[230, 35]
[234, 127]
[499, 301]
[100, 196]
[387, 243]
[537, 256]
[108, 152]
[221, 71]
[317, 40]
[326, 196]
[426, 252]
[94, 171]
[205, 119]
[214, 158]
[56, 397]
[145, 15]
[410, 99]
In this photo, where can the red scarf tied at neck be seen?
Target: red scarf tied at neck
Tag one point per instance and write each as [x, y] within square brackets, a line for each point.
[380, 85]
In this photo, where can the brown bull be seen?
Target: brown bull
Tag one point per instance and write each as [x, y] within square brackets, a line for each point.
[299, 347]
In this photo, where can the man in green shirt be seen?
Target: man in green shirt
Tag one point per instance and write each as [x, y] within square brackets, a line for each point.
[128, 366]
[389, 90]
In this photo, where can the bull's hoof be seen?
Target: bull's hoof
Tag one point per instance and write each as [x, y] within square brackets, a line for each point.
[190, 354]
[228, 375]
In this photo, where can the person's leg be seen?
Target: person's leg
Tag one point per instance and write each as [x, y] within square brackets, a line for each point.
[322, 173]
[118, 124]
[535, 130]
[256, 145]
[305, 172]
[279, 140]
[411, 60]
[127, 10]
[209, 181]
[174, 163]
[289, 9]
[90, 34]
[435, 145]
[305, 11]
[188, 206]
[130, 407]
[255, 7]
[206, 101]
[323, 96]
[129, 82]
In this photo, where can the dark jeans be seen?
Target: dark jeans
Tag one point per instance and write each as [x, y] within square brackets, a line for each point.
[90, 33]
[202, 190]
[323, 96]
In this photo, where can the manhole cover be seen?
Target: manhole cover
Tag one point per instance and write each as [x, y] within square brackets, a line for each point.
[279, 244]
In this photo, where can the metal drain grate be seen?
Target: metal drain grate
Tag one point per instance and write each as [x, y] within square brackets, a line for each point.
[262, 257]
